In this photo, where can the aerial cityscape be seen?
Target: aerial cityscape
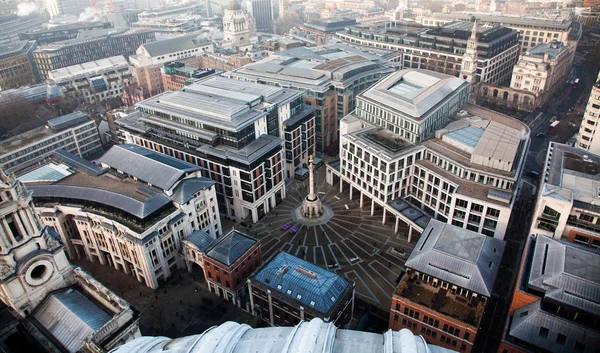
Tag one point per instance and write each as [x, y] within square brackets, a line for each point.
[278, 176]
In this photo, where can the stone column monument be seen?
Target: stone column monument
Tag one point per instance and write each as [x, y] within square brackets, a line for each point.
[311, 206]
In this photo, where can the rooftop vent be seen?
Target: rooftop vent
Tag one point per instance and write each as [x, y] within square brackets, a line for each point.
[306, 272]
[282, 270]
[462, 113]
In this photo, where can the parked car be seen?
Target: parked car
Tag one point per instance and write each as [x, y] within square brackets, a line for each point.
[286, 226]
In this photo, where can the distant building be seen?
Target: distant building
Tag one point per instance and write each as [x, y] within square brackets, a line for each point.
[40, 94]
[226, 262]
[288, 290]
[311, 336]
[589, 134]
[89, 46]
[150, 57]
[235, 132]
[262, 12]
[532, 30]
[319, 30]
[449, 278]
[93, 82]
[566, 204]
[50, 303]
[176, 75]
[16, 65]
[239, 27]
[59, 33]
[11, 26]
[442, 49]
[543, 70]
[56, 8]
[74, 132]
[332, 76]
[133, 93]
[171, 21]
[555, 304]
[132, 214]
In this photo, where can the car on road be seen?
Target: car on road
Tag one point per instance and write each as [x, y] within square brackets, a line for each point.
[541, 134]
[294, 230]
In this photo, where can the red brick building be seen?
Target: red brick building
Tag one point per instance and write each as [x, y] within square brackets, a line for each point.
[226, 262]
[450, 275]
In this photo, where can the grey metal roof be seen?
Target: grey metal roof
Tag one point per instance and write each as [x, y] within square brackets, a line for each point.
[78, 162]
[174, 45]
[566, 273]
[146, 165]
[200, 240]
[14, 48]
[459, 256]
[527, 323]
[247, 154]
[507, 20]
[185, 190]
[140, 209]
[286, 274]
[71, 317]
[230, 247]
[65, 121]
[553, 49]
[414, 92]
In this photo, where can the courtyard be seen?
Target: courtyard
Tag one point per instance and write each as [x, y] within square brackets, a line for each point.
[352, 243]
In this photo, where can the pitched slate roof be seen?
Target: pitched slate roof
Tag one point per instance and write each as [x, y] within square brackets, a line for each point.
[458, 256]
[302, 282]
[230, 247]
[200, 240]
[147, 165]
[174, 45]
[185, 190]
[71, 317]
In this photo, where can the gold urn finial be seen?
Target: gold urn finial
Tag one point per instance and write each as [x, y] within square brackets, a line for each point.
[310, 159]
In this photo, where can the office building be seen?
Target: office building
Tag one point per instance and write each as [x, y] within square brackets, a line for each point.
[412, 141]
[288, 290]
[16, 65]
[532, 30]
[232, 131]
[319, 30]
[262, 13]
[93, 82]
[555, 304]
[150, 57]
[332, 76]
[543, 70]
[311, 336]
[61, 32]
[74, 132]
[175, 75]
[130, 214]
[226, 262]
[589, 134]
[566, 203]
[11, 26]
[51, 304]
[40, 94]
[449, 277]
[56, 8]
[442, 49]
[89, 46]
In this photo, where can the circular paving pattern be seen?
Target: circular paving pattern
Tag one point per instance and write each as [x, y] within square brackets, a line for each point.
[348, 241]
[298, 217]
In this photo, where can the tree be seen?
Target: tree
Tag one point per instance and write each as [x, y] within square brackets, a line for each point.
[286, 22]
[15, 110]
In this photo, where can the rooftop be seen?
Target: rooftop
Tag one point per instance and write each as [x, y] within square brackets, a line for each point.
[91, 36]
[413, 92]
[307, 336]
[71, 317]
[230, 247]
[88, 68]
[14, 48]
[302, 282]
[566, 273]
[459, 256]
[173, 45]
[508, 20]
[553, 49]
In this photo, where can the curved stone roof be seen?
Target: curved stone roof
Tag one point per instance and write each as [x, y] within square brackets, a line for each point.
[312, 336]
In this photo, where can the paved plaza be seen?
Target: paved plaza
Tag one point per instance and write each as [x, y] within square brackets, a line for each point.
[352, 243]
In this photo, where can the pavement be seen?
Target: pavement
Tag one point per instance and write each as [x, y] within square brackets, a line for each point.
[353, 244]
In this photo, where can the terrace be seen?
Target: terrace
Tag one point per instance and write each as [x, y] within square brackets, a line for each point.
[449, 302]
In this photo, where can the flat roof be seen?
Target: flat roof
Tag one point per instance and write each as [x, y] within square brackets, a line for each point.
[553, 49]
[90, 36]
[507, 20]
[15, 48]
[302, 282]
[459, 256]
[96, 67]
[413, 92]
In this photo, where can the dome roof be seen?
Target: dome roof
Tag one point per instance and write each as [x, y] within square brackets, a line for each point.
[312, 336]
[233, 5]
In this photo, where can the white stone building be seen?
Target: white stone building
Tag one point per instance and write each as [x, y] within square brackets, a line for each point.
[238, 27]
[50, 301]
[459, 168]
[589, 134]
[569, 193]
[234, 131]
[543, 70]
[93, 82]
[132, 214]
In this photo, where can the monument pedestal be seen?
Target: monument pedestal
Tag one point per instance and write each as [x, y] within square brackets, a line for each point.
[312, 208]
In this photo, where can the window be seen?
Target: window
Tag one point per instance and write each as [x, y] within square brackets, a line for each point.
[579, 347]
[543, 332]
[561, 339]
[467, 335]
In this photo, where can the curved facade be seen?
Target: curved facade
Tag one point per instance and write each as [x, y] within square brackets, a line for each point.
[312, 336]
